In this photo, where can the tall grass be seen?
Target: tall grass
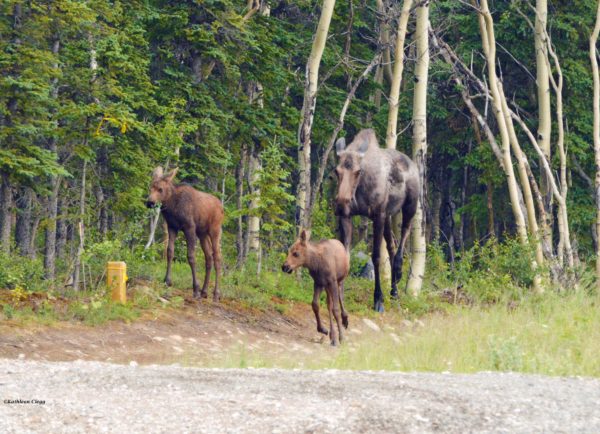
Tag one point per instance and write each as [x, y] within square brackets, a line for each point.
[552, 335]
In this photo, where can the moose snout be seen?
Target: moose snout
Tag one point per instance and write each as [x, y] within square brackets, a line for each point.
[286, 268]
[150, 204]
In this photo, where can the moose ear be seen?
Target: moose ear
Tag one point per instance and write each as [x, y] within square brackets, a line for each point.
[169, 176]
[157, 173]
[304, 236]
[340, 145]
[362, 149]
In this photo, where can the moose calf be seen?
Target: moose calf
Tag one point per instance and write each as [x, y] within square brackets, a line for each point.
[328, 264]
[198, 215]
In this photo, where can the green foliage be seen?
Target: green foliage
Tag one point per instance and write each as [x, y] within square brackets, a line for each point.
[487, 273]
[19, 272]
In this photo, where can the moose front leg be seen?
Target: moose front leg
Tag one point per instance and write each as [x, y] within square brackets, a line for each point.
[315, 306]
[378, 225]
[345, 226]
[170, 254]
[190, 236]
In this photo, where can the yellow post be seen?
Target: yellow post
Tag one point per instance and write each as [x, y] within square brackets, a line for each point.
[116, 277]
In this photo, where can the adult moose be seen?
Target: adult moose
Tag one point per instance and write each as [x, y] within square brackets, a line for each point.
[198, 215]
[378, 184]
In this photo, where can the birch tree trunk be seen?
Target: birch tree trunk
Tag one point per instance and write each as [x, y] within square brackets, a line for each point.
[254, 167]
[596, 104]
[308, 110]
[81, 228]
[557, 85]
[239, 188]
[392, 126]
[417, 266]
[488, 41]
[543, 91]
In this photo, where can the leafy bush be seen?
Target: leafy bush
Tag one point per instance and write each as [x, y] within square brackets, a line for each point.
[19, 271]
[486, 273]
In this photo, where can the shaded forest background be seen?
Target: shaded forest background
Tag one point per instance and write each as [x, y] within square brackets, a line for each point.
[95, 94]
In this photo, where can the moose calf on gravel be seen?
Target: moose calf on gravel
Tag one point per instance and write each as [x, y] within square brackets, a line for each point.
[195, 213]
[328, 263]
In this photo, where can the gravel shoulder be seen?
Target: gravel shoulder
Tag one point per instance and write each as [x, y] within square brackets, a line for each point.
[86, 396]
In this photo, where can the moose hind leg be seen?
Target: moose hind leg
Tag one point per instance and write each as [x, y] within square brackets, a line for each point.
[208, 263]
[389, 242]
[332, 333]
[218, 261]
[408, 212]
[341, 296]
[335, 299]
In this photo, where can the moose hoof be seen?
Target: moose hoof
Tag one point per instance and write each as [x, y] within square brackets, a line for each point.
[378, 307]
[203, 294]
[334, 342]
[322, 330]
[394, 294]
[168, 282]
[345, 321]
[216, 298]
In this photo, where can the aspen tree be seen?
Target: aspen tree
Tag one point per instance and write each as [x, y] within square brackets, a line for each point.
[543, 93]
[417, 266]
[394, 97]
[596, 105]
[308, 109]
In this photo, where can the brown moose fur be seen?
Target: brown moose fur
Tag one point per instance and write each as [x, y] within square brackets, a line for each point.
[199, 215]
[328, 264]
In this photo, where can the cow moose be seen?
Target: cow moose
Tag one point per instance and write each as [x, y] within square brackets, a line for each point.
[198, 215]
[376, 183]
[328, 263]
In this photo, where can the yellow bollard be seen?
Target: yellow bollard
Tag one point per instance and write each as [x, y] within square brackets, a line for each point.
[116, 278]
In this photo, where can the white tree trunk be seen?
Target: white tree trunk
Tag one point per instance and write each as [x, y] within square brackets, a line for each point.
[596, 104]
[308, 109]
[417, 266]
[254, 167]
[543, 91]
[527, 194]
[392, 126]
[488, 40]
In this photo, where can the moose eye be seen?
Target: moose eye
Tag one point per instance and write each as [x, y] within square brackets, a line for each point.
[295, 254]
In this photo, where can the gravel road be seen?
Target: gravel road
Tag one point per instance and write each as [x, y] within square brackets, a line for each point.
[100, 397]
